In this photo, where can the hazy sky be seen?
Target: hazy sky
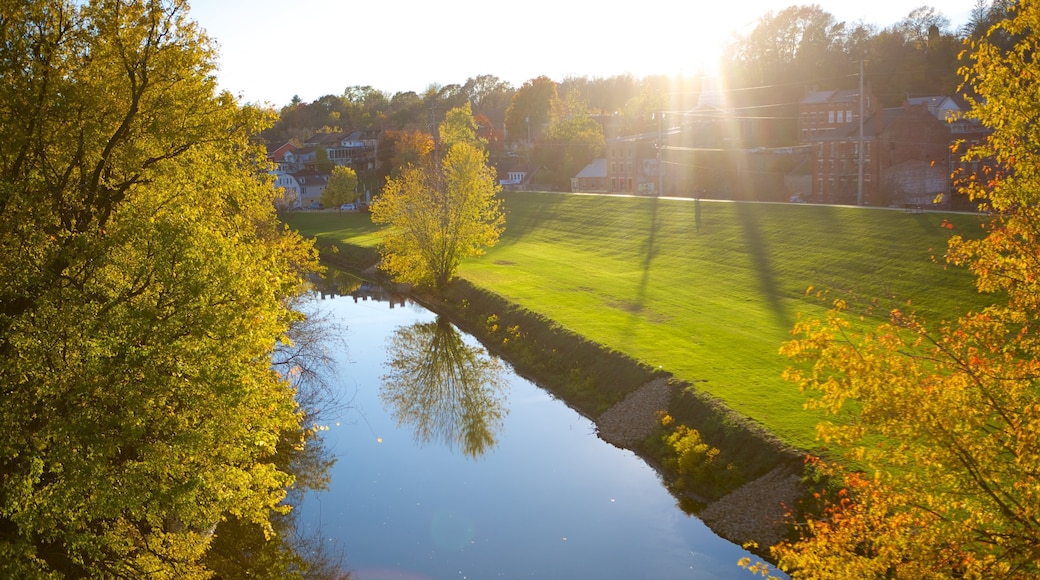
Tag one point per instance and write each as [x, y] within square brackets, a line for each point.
[271, 50]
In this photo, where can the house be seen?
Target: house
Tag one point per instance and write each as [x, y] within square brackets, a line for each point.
[821, 112]
[355, 149]
[943, 108]
[278, 156]
[513, 180]
[691, 152]
[284, 182]
[915, 155]
[633, 163]
[839, 172]
[301, 157]
[512, 172]
[593, 178]
[905, 158]
[295, 168]
[965, 133]
[289, 189]
[311, 183]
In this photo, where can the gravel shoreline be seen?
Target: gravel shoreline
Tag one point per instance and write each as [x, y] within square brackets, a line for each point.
[754, 512]
[635, 418]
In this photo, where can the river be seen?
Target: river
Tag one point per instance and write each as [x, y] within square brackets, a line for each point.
[449, 465]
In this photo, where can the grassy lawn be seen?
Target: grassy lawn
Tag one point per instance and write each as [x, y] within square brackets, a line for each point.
[710, 304]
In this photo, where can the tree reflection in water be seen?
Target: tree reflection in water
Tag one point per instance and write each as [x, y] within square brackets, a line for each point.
[244, 549]
[447, 390]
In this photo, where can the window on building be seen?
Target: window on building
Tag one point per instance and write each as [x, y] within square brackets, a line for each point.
[841, 116]
[830, 116]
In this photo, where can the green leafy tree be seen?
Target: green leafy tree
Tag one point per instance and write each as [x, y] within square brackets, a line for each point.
[436, 213]
[531, 109]
[946, 419]
[322, 162]
[569, 145]
[490, 96]
[145, 287]
[342, 187]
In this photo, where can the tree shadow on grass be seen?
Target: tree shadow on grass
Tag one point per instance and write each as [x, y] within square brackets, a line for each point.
[635, 307]
[749, 215]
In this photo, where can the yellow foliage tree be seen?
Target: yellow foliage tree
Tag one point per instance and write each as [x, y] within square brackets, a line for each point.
[436, 213]
[953, 489]
[145, 285]
[342, 187]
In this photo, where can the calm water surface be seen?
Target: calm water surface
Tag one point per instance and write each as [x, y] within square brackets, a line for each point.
[457, 481]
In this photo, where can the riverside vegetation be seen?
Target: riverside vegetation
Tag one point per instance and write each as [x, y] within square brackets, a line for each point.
[595, 296]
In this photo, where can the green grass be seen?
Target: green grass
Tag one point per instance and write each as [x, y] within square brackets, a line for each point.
[713, 304]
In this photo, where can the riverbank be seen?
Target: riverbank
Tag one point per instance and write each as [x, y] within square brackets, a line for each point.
[625, 398]
[711, 305]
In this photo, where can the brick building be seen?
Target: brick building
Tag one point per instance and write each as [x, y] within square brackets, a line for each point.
[823, 111]
[905, 150]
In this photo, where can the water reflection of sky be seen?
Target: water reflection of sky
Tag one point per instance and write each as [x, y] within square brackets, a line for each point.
[549, 500]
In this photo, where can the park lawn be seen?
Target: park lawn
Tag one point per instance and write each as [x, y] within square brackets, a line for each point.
[350, 227]
[710, 304]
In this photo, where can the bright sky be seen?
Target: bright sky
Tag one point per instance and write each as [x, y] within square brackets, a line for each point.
[271, 50]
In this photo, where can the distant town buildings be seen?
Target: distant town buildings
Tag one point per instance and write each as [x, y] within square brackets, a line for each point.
[908, 155]
[837, 146]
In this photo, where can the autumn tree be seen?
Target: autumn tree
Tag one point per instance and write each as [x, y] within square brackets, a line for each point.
[460, 127]
[342, 187]
[945, 420]
[145, 286]
[489, 96]
[438, 212]
[409, 148]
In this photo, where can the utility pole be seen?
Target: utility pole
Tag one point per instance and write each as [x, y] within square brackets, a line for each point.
[660, 154]
[859, 183]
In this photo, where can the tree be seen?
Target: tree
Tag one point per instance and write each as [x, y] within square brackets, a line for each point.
[438, 212]
[531, 109]
[342, 187]
[459, 126]
[947, 419]
[366, 105]
[145, 287]
[489, 96]
[570, 144]
[406, 111]
[409, 148]
[322, 162]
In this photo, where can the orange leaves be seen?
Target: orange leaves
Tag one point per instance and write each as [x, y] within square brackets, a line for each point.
[957, 405]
